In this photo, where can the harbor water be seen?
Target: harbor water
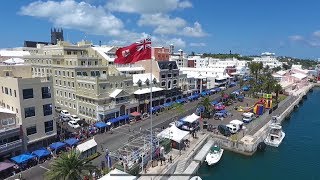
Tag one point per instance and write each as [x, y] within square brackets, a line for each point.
[298, 157]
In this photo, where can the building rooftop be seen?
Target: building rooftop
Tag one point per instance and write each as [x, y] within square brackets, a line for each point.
[8, 53]
[167, 65]
[14, 61]
[143, 78]
[130, 68]
[103, 50]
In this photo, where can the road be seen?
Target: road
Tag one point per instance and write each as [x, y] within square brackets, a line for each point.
[121, 135]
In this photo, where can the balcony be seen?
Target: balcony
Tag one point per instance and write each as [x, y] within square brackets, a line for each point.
[11, 145]
[116, 104]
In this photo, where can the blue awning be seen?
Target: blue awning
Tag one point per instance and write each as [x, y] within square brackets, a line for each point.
[120, 118]
[203, 93]
[57, 145]
[71, 141]
[42, 152]
[168, 104]
[156, 108]
[217, 89]
[214, 103]
[245, 88]
[22, 158]
[100, 124]
[113, 120]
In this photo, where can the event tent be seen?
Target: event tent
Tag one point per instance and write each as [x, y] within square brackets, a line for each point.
[116, 174]
[22, 158]
[71, 141]
[101, 124]
[57, 145]
[173, 133]
[191, 118]
[42, 152]
[86, 145]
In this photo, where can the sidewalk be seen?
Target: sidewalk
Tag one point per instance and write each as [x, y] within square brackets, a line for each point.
[155, 172]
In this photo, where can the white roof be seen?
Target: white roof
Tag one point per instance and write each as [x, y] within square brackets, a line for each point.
[236, 121]
[103, 50]
[191, 118]
[129, 68]
[247, 114]
[173, 133]
[8, 53]
[14, 61]
[281, 73]
[143, 77]
[86, 145]
[117, 174]
[299, 75]
[8, 111]
[147, 90]
[115, 93]
[222, 77]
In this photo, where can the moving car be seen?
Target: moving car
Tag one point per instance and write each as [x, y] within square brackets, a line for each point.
[73, 124]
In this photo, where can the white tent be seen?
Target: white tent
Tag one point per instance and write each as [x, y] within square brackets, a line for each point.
[191, 118]
[116, 174]
[86, 145]
[173, 133]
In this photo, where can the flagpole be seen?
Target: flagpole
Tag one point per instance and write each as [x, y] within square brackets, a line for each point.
[150, 108]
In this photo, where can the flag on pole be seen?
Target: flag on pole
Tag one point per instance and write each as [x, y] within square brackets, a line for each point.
[138, 51]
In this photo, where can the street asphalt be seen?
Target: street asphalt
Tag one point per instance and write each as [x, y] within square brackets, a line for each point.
[121, 135]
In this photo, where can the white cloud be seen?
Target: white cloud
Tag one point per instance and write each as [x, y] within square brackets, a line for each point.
[146, 6]
[198, 44]
[81, 16]
[163, 23]
[177, 42]
[185, 4]
[316, 34]
[195, 31]
[296, 38]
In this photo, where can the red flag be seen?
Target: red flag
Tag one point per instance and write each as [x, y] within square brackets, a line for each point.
[135, 52]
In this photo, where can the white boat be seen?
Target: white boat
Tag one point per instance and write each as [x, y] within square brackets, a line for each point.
[196, 178]
[214, 155]
[275, 135]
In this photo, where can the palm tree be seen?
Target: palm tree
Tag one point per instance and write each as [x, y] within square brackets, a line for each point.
[277, 88]
[207, 106]
[69, 166]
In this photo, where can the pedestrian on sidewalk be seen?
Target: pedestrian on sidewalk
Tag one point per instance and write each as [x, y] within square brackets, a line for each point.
[170, 158]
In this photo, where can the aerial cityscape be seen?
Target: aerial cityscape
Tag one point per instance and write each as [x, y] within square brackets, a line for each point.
[139, 90]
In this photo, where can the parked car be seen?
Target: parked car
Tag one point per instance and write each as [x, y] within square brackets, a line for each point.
[73, 124]
[232, 128]
[247, 117]
[64, 113]
[223, 129]
[74, 118]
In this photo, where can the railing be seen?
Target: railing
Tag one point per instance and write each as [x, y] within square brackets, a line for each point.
[11, 145]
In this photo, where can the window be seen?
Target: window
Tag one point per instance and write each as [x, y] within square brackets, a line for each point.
[2, 89]
[10, 92]
[47, 109]
[73, 84]
[163, 83]
[174, 82]
[29, 112]
[15, 93]
[174, 75]
[48, 126]
[79, 73]
[63, 73]
[98, 73]
[6, 90]
[7, 122]
[46, 92]
[163, 76]
[169, 75]
[72, 74]
[27, 93]
[31, 130]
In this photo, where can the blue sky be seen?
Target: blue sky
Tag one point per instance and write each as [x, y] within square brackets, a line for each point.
[249, 27]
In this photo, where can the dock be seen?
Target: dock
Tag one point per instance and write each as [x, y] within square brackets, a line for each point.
[204, 151]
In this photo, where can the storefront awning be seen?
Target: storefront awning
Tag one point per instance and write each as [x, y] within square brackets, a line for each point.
[86, 145]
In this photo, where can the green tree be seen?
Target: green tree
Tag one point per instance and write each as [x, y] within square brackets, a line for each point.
[207, 106]
[69, 166]
[277, 89]
[268, 83]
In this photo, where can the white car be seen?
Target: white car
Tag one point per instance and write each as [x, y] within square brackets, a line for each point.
[64, 114]
[73, 124]
[74, 118]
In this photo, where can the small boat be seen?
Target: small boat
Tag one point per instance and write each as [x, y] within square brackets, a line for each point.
[275, 135]
[214, 155]
[196, 178]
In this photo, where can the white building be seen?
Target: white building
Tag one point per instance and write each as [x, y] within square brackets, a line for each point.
[268, 59]
[180, 57]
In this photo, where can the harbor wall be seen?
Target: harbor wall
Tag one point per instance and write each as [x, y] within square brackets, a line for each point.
[250, 147]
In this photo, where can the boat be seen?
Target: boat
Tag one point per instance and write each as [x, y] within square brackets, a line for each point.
[275, 135]
[214, 155]
[196, 178]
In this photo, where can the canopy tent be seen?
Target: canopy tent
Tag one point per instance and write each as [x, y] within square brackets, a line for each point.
[217, 89]
[86, 145]
[22, 158]
[156, 108]
[101, 124]
[168, 104]
[192, 97]
[57, 145]
[173, 133]
[191, 118]
[204, 93]
[116, 174]
[113, 120]
[135, 114]
[72, 141]
[42, 152]
[5, 165]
